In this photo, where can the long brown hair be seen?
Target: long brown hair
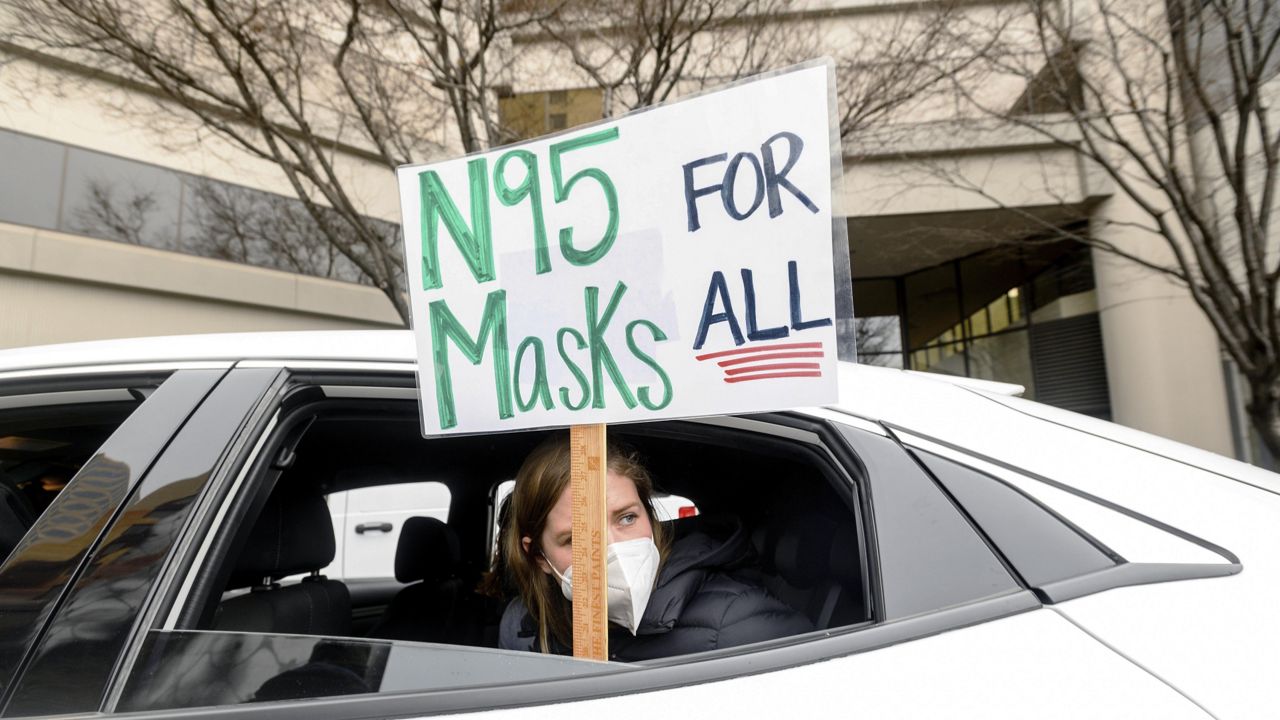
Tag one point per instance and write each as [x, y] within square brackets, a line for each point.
[542, 479]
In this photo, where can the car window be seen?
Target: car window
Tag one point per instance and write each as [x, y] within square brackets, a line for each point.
[796, 493]
[668, 507]
[45, 439]
[277, 576]
[45, 562]
[367, 523]
[674, 507]
[195, 669]
[930, 555]
[1064, 542]
[1042, 547]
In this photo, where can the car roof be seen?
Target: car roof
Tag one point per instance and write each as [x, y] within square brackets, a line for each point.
[874, 393]
[343, 345]
[396, 346]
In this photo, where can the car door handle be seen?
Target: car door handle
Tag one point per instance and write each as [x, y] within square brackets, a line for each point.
[362, 528]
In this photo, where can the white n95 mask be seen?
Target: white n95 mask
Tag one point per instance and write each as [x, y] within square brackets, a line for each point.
[632, 570]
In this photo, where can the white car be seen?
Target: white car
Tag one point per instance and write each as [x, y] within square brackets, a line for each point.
[961, 552]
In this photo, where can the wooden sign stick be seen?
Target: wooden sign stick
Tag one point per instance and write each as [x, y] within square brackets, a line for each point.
[588, 465]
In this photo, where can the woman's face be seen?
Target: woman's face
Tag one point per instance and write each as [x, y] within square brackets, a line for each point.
[625, 515]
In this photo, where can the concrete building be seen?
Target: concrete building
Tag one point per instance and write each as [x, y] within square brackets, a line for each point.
[939, 284]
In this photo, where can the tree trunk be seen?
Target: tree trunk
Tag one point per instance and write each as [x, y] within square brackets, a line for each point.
[397, 301]
[1264, 414]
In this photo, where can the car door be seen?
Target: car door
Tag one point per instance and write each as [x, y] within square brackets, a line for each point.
[74, 618]
[954, 631]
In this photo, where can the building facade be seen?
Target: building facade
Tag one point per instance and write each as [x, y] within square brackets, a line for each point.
[111, 228]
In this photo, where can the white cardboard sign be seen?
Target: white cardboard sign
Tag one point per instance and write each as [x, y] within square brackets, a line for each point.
[674, 262]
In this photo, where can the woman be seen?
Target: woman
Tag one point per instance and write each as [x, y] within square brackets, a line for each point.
[667, 596]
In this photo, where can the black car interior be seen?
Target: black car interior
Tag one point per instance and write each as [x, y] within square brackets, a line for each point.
[293, 534]
[801, 513]
[41, 449]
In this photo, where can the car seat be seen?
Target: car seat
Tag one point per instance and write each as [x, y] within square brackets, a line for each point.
[812, 564]
[438, 606]
[293, 534]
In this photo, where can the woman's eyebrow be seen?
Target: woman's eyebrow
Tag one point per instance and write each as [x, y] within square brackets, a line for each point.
[633, 505]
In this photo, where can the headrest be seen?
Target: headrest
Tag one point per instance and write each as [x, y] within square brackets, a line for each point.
[428, 550]
[802, 552]
[293, 534]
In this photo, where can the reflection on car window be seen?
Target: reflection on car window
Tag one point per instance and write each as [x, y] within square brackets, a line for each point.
[44, 440]
[196, 669]
[1041, 546]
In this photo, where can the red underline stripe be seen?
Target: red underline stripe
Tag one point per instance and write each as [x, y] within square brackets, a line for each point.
[770, 348]
[766, 376]
[774, 366]
[770, 356]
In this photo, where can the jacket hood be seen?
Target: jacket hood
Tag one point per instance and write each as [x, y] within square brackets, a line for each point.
[702, 545]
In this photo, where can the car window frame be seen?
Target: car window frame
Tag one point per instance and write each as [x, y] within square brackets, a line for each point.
[392, 381]
[223, 407]
[1124, 573]
[161, 414]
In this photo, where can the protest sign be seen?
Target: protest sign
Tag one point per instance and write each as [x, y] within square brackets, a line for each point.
[674, 262]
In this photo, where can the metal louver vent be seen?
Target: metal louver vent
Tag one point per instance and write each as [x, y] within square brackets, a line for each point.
[1068, 365]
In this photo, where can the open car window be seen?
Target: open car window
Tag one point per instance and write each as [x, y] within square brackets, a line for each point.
[265, 608]
[668, 507]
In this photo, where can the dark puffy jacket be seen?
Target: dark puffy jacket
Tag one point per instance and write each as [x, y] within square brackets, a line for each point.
[704, 600]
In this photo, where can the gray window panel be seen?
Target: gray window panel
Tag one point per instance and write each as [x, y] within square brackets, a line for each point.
[1004, 357]
[366, 678]
[111, 198]
[258, 228]
[930, 557]
[114, 199]
[932, 305]
[30, 180]
[1041, 546]
[34, 583]
[194, 669]
[878, 334]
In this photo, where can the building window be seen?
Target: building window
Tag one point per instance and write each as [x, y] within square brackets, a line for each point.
[1026, 316]
[30, 180]
[53, 186]
[529, 115]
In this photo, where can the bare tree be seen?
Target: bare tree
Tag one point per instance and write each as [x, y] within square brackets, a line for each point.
[643, 52]
[879, 341]
[309, 86]
[648, 51]
[1172, 101]
[291, 82]
[887, 65]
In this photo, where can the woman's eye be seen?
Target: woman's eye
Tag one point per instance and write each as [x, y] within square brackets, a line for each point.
[628, 519]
